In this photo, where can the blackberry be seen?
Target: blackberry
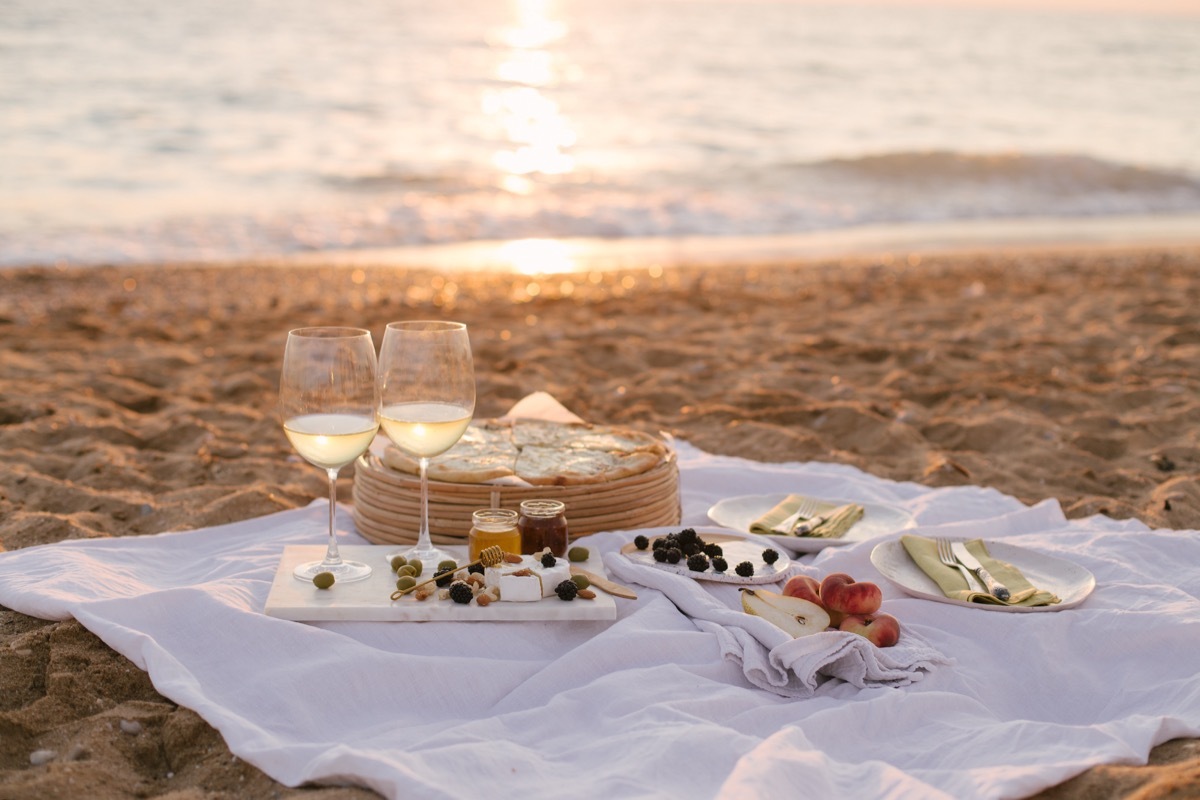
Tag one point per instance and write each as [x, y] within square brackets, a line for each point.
[445, 575]
[566, 590]
[673, 555]
[713, 550]
[660, 543]
[660, 554]
[688, 536]
[641, 542]
[719, 564]
[698, 562]
[476, 568]
[690, 549]
[745, 569]
[770, 556]
[548, 560]
[460, 592]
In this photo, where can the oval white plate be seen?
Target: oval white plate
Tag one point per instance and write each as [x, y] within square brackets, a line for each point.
[1071, 582]
[736, 549]
[878, 519]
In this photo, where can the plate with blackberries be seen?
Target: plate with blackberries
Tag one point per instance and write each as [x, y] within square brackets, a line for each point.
[707, 555]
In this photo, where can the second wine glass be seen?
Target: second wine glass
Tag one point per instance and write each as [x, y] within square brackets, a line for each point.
[427, 399]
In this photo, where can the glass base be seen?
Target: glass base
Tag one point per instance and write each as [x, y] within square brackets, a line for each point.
[344, 572]
[429, 558]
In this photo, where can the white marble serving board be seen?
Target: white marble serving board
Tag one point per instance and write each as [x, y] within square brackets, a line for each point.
[370, 600]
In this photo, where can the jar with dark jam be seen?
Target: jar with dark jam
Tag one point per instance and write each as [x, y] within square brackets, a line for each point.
[543, 523]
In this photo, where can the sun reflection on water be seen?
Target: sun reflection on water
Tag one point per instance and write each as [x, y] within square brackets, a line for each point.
[538, 256]
[536, 132]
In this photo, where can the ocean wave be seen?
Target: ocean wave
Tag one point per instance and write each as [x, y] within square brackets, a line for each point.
[1051, 173]
[398, 208]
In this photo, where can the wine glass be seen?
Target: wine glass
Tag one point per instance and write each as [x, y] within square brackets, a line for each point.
[329, 405]
[427, 399]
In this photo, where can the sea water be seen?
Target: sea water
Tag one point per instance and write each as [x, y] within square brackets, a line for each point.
[139, 130]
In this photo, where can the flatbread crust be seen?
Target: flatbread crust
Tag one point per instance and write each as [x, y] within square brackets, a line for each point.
[541, 453]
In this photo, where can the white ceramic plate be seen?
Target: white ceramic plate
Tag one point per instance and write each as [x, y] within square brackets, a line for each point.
[736, 549]
[1071, 582]
[739, 514]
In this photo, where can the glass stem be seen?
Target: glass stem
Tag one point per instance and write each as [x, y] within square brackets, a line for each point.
[332, 557]
[423, 542]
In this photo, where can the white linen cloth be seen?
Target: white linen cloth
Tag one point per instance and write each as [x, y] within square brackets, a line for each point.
[770, 658]
[647, 705]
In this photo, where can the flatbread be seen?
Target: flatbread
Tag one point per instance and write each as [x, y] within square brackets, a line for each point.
[541, 453]
[538, 433]
[466, 462]
[572, 466]
[616, 440]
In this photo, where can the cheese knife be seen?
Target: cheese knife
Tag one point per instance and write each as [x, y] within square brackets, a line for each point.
[995, 588]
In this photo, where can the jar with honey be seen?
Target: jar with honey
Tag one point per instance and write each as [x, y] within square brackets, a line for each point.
[493, 526]
[543, 523]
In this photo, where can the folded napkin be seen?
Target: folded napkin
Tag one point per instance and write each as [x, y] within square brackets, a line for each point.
[777, 521]
[770, 658]
[923, 552]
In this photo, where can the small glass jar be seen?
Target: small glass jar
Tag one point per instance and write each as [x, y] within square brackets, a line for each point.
[543, 523]
[493, 526]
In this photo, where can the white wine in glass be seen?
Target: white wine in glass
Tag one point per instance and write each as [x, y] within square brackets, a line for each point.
[329, 404]
[427, 399]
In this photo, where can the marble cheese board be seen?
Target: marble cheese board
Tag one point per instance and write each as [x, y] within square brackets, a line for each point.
[370, 600]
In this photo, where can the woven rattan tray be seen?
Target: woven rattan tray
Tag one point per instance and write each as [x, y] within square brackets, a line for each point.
[387, 502]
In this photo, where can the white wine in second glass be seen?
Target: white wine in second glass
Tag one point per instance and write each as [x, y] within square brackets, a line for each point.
[427, 399]
[328, 401]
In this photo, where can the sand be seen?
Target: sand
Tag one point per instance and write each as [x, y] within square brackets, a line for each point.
[139, 400]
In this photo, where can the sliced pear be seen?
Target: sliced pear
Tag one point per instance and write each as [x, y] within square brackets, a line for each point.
[793, 615]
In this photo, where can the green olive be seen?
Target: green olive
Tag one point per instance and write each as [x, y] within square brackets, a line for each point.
[398, 562]
[449, 563]
[581, 581]
[578, 554]
[406, 582]
[418, 566]
[323, 580]
[407, 569]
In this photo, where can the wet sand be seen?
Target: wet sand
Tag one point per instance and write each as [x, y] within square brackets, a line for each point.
[138, 400]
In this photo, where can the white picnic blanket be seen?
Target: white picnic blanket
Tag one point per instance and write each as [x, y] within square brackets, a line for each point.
[657, 703]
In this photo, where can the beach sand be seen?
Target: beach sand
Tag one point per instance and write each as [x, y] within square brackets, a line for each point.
[139, 400]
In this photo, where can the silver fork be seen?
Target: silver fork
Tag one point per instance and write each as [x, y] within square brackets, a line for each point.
[808, 507]
[946, 556]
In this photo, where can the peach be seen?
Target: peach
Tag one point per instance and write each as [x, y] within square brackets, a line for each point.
[805, 588]
[881, 630]
[842, 596]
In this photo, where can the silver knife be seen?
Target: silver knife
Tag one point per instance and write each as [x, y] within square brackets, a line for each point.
[810, 525]
[995, 588]
[785, 528]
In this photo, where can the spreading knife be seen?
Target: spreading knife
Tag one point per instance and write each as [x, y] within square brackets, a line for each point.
[604, 583]
[997, 589]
